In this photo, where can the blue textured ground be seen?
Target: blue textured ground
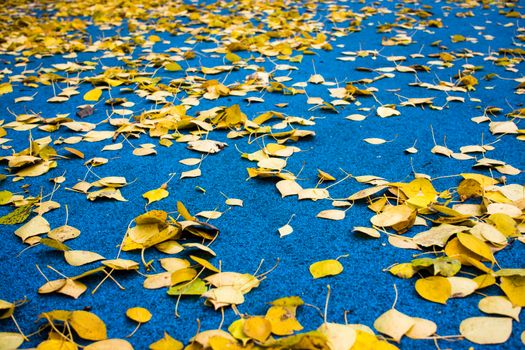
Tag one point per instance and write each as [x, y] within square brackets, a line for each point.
[249, 234]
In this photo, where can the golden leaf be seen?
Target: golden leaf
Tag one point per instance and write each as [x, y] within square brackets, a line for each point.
[139, 314]
[167, 343]
[110, 344]
[434, 288]
[87, 325]
[326, 268]
[257, 328]
[93, 95]
[155, 195]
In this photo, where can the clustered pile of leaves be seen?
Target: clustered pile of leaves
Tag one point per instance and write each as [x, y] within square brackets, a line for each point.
[470, 223]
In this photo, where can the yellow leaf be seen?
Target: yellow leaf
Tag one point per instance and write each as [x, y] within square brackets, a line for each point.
[202, 247]
[434, 288]
[457, 38]
[332, 214]
[172, 67]
[282, 320]
[257, 328]
[285, 230]
[139, 314]
[356, 117]
[204, 263]
[202, 339]
[485, 280]
[288, 301]
[54, 344]
[316, 79]
[422, 328]
[5, 88]
[75, 152]
[236, 330]
[195, 287]
[154, 38]
[5, 197]
[232, 57]
[183, 275]
[288, 188]
[10, 340]
[454, 249]
[87, 325]
[110, 344]
[17, 216]
[505, 224]
[209, 214]
[324, 175]
[499, 305]
[81, 257]
[367, 231]
[475, 245]
[326, 268]
[167, 343]
[121, 264]
[368, 341]
[437, 235]
[155, 195]
[152, 217]
[191, 173]
[420, 192]
[339, 336]
[461, 286]
[93, 95]
[374, 141]
[483, 180]
[73, 288]
[221, 343]
[223, 296]
[234, 116]
[405, 270]
[174, 264]
[158, 280]
[469, 188]
[184, 212]
[234, 202]
[394, 324]
[385, 112]
[399, 217]
[52, 286]
[56, 315]
[514, 288]
[36, 226]
[486, 330]
[272, 163]
[170, 247]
